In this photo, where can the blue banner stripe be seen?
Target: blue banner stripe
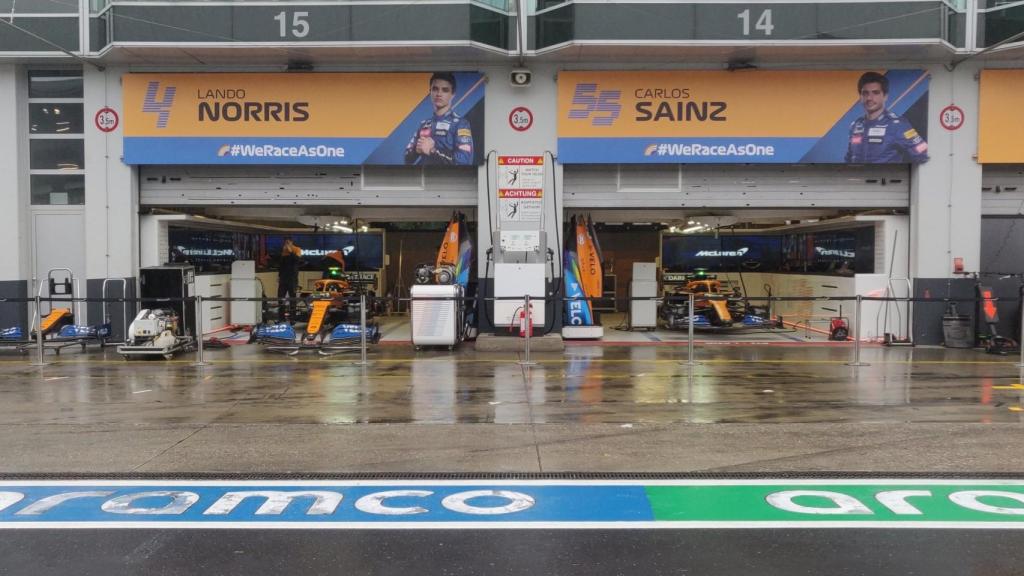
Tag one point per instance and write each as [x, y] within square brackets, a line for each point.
[232, 150]
[682, 150]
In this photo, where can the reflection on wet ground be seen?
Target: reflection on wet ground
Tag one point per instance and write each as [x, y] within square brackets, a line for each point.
[585, 384]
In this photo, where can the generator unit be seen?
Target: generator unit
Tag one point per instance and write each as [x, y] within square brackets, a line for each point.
[166, 324]
[174, 281]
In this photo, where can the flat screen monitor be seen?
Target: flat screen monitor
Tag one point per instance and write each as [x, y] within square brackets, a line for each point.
[209, 250]
[746, 253]
[363, 251]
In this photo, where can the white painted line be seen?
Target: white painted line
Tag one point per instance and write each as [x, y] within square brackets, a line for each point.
[645, 525]
[514, 482]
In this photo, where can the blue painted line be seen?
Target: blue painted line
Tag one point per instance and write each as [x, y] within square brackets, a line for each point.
[674, 504]
[190, 503]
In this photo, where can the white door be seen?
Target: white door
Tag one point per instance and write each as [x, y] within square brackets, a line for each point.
[59, 242]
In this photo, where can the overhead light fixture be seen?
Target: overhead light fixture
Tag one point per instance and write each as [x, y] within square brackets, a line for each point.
[324, 221]
[692, 229]
[735, 65]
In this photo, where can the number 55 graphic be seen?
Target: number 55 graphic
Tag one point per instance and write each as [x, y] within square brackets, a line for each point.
[601, 106]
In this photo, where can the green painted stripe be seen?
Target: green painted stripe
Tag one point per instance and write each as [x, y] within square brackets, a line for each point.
[750, 503]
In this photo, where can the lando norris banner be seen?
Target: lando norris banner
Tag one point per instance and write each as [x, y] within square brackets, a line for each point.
[328, 118]
[828, 117]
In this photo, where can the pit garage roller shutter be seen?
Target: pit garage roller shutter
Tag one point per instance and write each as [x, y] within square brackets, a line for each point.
[715, 186]
[1002, 190]
[308, 186]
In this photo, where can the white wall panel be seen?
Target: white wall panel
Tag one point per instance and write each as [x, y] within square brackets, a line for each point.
[13, 173]
[307, 186]
[1002, 190]
[111, 210]
[946, 197]
[737, 186]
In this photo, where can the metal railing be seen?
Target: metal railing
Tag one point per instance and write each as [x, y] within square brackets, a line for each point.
[38, 342]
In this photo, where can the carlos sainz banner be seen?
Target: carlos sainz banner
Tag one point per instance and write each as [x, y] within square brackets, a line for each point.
[304, 118]
[1001, 121]
[829, 117]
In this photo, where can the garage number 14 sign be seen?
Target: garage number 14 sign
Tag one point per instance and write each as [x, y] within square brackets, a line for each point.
[520, 188]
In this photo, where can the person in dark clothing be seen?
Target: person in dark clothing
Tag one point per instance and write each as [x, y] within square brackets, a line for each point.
[288, 277]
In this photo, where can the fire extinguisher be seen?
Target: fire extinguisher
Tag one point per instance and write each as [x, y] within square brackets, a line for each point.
[523, 326]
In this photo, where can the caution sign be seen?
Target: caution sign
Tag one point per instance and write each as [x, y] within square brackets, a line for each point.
[520, 188]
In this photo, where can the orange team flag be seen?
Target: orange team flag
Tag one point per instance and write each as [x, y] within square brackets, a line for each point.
[449, 251]
[590, 264]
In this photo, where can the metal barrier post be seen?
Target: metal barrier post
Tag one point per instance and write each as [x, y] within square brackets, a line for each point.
[362, 331]
[856, 337]
[689, 335]
[529, 332]
[199, 331]
[1020, 337]
[39, 333]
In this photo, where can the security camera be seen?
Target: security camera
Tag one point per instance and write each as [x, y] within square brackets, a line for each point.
[520, 77]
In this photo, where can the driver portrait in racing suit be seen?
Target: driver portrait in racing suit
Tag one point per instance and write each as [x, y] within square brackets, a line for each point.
[445, 138]
[880, 136]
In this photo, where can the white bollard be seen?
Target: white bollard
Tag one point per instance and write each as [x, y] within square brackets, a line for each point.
[199, 332]
[856, 337]
[689, 335]
[529, 332]
[39, 334]
[1020, 337]
[362, 331]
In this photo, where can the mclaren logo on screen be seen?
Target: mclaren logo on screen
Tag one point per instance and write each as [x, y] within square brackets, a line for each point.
[825, 117]
[833, 252]
[418, 118]
[722, 253]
